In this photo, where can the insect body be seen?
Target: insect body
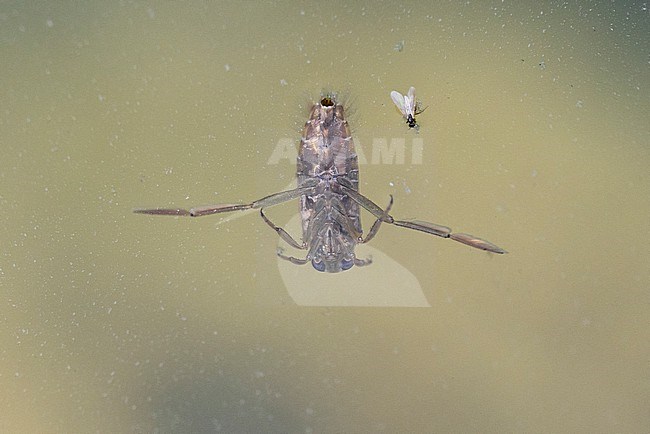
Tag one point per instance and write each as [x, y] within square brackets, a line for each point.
[328, 188]
[408, 106]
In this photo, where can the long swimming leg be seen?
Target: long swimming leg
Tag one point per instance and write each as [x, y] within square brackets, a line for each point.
[429, 228]
[273, 199]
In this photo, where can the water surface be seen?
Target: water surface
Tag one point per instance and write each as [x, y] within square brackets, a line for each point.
[536, 138]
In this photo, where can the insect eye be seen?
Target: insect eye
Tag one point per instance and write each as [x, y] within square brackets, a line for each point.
[318, 265]
[346, 264]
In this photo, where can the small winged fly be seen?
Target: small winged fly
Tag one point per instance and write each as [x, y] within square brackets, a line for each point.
[408, 106]
[328, 189]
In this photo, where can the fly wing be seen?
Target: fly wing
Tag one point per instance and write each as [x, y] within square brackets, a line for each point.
[398, 99]
[411, 93]
[409, 101]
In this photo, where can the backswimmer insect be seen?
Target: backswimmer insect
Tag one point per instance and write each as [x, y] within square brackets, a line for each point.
[328, 189]
[408, 106]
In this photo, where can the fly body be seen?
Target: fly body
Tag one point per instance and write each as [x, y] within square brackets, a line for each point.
[328, 189]
[408, 106]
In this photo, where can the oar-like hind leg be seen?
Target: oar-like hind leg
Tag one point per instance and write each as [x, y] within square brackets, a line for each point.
[429, 228]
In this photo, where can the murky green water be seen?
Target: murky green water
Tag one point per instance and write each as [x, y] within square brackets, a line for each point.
[536, 138]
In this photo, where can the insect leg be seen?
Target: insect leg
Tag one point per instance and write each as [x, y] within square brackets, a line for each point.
[473, 241]
[361, 262]
[429, 228]
[293, 260]
[284, 196]
[366, 203]
[375, 226]
[273, 199]
[445, 232]
[162, 211]
[282, 233]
